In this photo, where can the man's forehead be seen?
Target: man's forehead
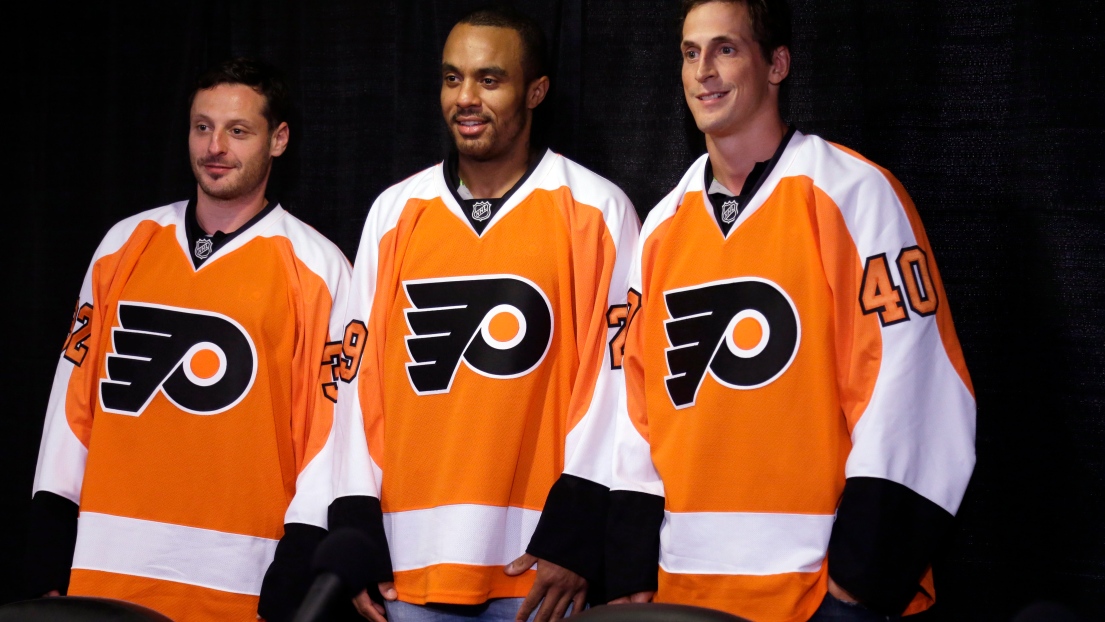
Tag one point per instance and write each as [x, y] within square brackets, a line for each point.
[470, 47]
[228, 97]
[716, 21]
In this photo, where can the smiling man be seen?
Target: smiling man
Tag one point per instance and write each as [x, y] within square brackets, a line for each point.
[187, 426]
[474, 433]
[799, 428]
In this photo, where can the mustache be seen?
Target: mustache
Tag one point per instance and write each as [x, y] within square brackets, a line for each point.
[470, 112]
[213, 160]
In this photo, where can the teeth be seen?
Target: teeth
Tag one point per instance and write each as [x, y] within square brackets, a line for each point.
[712, 96]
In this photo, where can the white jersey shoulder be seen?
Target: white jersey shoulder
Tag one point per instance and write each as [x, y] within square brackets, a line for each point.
[388, 207]
[315, 250]
[666, 208]
[586, 186]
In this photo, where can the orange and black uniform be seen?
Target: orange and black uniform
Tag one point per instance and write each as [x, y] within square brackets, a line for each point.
[797, 401]
[476, 423]
[188, 418]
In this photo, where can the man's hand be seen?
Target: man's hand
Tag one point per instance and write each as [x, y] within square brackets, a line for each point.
[841, 594]
[639, 597]
[554, 589]
[372, 610]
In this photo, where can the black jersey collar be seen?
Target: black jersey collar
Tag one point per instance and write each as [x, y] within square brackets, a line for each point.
[728, 207]
[202, 245]
[480, 211]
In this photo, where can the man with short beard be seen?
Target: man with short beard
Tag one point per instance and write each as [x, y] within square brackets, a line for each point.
[482, 379]
[799, 424]
[188, 424]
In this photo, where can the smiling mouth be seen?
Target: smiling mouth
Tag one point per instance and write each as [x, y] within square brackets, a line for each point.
[470, 127]
[707, 97]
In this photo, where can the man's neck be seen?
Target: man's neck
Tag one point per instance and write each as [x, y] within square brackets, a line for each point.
[734, 155]
[491, 179]
[228, 215]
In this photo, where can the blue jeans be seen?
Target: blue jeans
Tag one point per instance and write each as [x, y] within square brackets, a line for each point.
[495, 610]
[834, 610]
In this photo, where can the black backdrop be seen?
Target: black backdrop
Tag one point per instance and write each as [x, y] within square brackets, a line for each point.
[991, 113]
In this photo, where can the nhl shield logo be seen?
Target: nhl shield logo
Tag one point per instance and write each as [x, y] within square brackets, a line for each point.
[204, 246]
[729, 211]
[481, 210]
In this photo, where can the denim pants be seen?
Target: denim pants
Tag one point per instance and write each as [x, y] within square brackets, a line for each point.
[495, 610]
[833, 609]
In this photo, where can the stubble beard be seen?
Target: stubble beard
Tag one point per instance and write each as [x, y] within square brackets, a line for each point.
[249, 177]
[493, 143]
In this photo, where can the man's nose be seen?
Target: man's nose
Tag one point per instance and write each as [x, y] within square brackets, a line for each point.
[217, 143]
[469, 94]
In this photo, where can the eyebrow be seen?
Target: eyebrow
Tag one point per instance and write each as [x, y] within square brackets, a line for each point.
[203, 117]
[493, 70]
[717, 39]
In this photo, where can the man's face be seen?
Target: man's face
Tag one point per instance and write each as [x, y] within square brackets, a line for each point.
[483, 90]
[230, 144]
[726, 80]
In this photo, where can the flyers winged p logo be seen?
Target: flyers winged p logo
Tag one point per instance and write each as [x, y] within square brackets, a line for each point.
[744, 332]
[203, 362]
[500, 325]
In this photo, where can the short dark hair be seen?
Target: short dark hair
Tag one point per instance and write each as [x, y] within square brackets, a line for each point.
[770, 21]
[529, 31]
[258, 75]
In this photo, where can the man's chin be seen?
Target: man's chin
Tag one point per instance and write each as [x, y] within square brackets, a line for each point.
[474, 151]
[222, 193]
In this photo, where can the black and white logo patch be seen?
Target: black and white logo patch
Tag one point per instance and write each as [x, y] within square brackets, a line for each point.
[203, 249]
[729, 211]
[500, 326]
[203, 362]
[744, 331]
[481, 210]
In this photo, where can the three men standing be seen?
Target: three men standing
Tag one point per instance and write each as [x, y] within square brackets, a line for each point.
[792, 434]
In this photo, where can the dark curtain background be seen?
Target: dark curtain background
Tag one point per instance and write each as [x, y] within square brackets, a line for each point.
[991, 113]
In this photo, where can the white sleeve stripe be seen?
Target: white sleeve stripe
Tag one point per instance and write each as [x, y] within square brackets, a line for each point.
[918, 427]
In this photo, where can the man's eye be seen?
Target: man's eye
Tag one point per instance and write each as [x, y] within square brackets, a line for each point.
[451, 79]
[727, 49]
[237, 131]
[488, 81]
[201, 127]
[690, 54]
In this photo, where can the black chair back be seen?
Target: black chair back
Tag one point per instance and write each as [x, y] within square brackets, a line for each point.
[78, 609]
[654, 612]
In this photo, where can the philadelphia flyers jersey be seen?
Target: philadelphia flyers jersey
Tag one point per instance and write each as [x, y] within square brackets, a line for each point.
[481, 386]
[189, 417]
[797, 400]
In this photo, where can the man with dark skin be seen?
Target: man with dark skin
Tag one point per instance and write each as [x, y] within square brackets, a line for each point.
[510, 223]
[785, 409]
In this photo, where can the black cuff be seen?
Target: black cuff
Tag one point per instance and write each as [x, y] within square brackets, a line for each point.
[51, 539]
[633, 543]
[884, 538]
[363, 513]
[572, 525]
[289, 575]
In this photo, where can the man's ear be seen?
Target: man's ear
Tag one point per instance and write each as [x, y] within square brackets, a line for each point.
[780, 65]
[278, 143]
[536, 92]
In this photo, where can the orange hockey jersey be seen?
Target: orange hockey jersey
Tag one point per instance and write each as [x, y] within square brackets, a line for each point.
[480, 374]
[187, 416]
[798, 403]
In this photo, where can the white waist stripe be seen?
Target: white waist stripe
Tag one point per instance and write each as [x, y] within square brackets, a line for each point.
[213, 559]
[743, 543]
[476, 535]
